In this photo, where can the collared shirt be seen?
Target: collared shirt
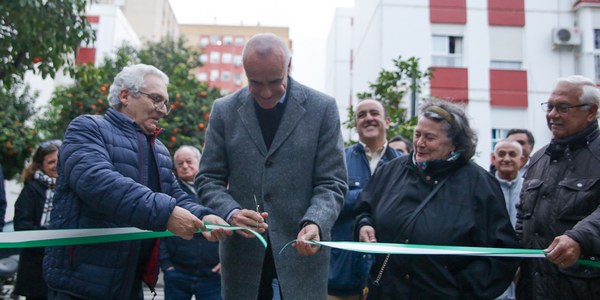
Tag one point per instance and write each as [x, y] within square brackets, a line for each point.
[373, 157]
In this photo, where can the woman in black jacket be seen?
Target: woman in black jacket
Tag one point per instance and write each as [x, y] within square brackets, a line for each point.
[32, 212]
[437, 196]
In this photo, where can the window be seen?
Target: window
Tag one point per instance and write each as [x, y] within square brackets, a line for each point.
[239, 41]
[505, 65]
[226, 59]
[215, 57]
[225, 76]
[204, 41]
[447, 51]
[214, 75]
[215, 40]
[237, 60]
[498, 135]
[203, 58]
[227, 40]
[502, 57]
[237, 79]
[202, 77]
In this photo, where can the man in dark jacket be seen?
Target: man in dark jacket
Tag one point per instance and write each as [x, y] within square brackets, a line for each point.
[560, 198]
[191, 268]
[114, 172]
[348, 270]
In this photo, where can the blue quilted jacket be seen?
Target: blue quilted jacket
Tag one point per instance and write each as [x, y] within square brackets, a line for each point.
[102, 183]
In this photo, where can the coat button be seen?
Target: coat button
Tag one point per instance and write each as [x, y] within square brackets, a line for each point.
[406, 241]
[268, 163]
[268, 197]
[579, 185]
[407, 277]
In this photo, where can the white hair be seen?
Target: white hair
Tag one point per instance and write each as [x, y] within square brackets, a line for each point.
[186, 147]
[589, 91]
[508, 141]
[132, 78]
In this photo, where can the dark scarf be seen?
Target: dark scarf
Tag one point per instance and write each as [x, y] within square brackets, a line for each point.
[438, 168]
[49, 183]
[558, 147]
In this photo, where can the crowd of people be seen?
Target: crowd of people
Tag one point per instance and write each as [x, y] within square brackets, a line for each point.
[274, 162]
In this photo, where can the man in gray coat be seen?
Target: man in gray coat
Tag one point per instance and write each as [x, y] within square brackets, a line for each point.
[274, 162]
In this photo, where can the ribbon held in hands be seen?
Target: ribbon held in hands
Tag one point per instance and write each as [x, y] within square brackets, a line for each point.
[63, 237]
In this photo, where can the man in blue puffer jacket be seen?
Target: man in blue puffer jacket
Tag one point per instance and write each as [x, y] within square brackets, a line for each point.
[114, 172]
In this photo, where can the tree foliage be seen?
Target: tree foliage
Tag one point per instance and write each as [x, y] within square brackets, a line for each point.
[18, 137]
[41, 36]
[390, 88]
[190, 100]
[88, 94]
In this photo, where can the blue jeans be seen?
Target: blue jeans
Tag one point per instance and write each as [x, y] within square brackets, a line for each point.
[181, 286]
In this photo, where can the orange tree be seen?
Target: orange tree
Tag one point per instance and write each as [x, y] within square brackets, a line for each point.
[190, 100]
[17, 136]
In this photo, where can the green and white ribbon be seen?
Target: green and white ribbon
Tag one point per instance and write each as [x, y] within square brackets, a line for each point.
[63, 237]
[388, 248]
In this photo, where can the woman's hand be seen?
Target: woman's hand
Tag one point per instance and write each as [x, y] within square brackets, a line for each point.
[367, 234]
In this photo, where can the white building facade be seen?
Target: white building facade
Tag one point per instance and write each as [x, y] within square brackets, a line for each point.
[500, 58]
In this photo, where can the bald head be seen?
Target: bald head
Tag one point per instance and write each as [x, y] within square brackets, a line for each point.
[266, 44]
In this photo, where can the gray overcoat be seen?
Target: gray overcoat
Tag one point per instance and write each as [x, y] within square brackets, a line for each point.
[302, 177]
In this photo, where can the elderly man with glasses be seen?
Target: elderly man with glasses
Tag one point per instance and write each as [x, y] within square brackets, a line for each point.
[560, 199]
[114, 172]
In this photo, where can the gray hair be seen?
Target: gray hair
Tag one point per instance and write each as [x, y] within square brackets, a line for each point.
[456, 125]
[132, 78]
[187, 147]
[589, 91]
[509, 141]
[264, 44]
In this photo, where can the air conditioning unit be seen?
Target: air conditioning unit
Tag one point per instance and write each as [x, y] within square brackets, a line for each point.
[566, 36]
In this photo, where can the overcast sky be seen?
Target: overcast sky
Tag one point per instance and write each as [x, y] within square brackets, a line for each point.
[309, 22]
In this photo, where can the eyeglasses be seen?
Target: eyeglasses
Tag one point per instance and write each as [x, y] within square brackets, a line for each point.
[158, 101]
[561, 108]
[49, 143]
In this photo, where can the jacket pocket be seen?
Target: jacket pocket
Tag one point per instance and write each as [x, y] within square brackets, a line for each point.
[529, 195]
[357, 182]
[577, 198]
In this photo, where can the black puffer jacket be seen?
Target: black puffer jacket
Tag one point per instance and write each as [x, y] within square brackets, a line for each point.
[561, 195]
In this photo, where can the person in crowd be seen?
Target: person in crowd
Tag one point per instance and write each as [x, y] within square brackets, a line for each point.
[401, 144]
[507, 160]
[115, 172]
[2, 200]
[32, 212]
[525, 138]
[560, 198]
[348, 270]
[191, 268]
[274, 161]
[436, 196]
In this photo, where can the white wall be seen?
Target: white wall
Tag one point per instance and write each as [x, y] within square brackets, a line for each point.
[338, 76]
[384, 29]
